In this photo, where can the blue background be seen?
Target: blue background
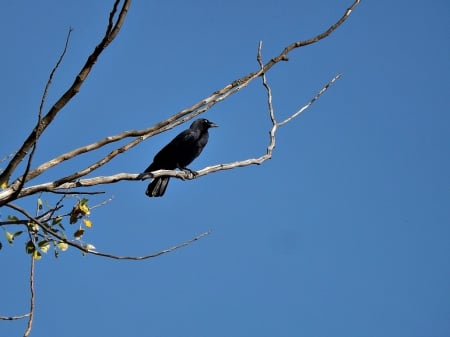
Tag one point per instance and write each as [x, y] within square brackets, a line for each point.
[344, 232]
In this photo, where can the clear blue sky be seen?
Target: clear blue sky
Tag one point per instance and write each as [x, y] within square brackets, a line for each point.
[345, 232]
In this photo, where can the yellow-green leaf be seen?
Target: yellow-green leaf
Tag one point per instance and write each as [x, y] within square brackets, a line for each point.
[44, 246]
[84, 208]
[33, 226]
[62, 246]
[13, 218]
[37, 255]
[9, 236]
[29, 247]
[39, 203]
[87, 223]
[16, 234]
[4, 185]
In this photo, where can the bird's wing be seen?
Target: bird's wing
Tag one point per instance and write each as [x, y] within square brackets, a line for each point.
[168, 156]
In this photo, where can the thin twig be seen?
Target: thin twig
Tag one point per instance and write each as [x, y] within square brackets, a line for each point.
[13, 318]
[315, 98]
[145, 257]
[21, 180]
[111, 18]
[52, 73]
[70, 193]
[13, 222]
[31, 315]
[103, 203]
[273, 130]
[85, 250]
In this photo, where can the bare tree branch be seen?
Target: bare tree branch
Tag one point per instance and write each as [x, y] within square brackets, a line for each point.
[52, 73]
[49, 228]
[149, 256]
[13, 318]
[13, 222]
[61, 185]
[31, 314]
[77, 192]
[21, 180]
[111, 33]
[315, 98]
[179, 118]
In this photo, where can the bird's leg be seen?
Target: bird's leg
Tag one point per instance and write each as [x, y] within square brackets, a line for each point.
[188, 170]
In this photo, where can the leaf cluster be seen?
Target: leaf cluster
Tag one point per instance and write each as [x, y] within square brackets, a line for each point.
[47, 229]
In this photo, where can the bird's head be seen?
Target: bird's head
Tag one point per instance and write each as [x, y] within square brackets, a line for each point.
[203, 124]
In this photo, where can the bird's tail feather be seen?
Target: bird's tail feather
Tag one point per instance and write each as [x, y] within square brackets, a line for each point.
[157, 187]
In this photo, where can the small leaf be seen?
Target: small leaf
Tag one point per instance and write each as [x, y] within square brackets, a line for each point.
[39, 203]
[4, 185]
[37, 255]
[10, 237]
[16, 234]
[29, 247]
[13, 218]
[84, 208]
[44, 246]
[78, 234]
[62, 246]
[87, 223]
[74, 214]
[33, 226]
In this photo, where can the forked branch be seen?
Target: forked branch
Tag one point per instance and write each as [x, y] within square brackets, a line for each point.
[100, 180]
[74, 180]
[66, 185]
[45, 121]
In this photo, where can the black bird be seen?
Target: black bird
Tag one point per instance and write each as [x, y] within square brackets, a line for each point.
[178, 154]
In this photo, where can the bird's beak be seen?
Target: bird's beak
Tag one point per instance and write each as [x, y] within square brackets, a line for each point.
[213, 125]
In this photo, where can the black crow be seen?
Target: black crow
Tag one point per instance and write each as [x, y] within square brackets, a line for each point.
[178, 154]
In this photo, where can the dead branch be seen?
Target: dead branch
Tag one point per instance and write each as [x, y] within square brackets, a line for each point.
[52, 73]
[100, 180]
[73, 180]
[21, 181]
[31, 313]
[13, 318]
[111, 32]
[66, 185]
